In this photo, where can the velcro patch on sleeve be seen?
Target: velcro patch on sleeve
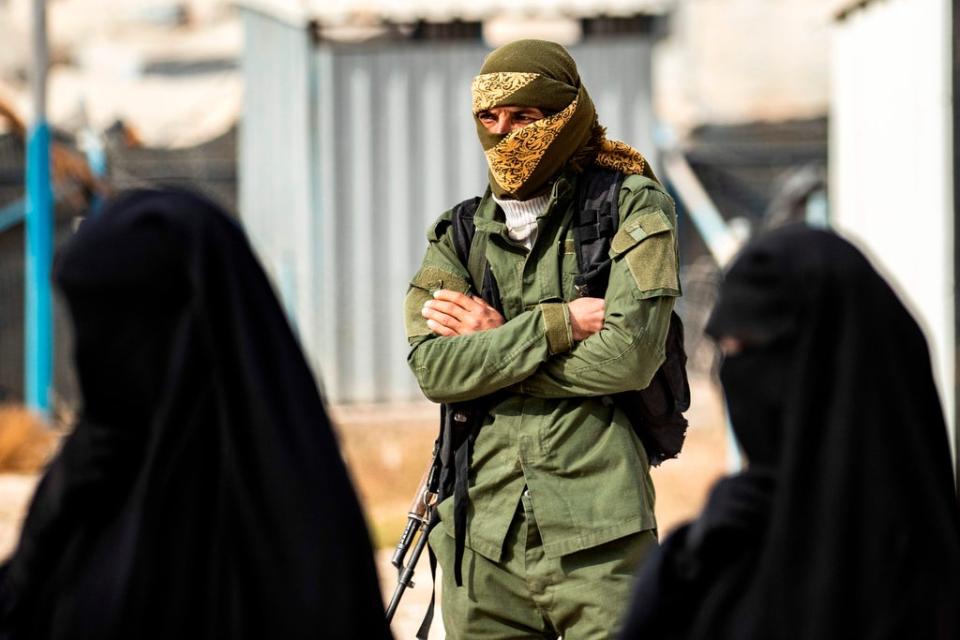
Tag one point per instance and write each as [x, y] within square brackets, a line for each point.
[646, 244]
[427, 280]
[433, 278]
[413, 321]
[638, 229]
[556, 324]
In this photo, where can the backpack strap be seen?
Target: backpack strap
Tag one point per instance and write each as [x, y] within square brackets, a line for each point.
[459, 424]
[477, 260]
[595, 223]
[463, 227]
[655, 412]
[423, 632]
[472, 250]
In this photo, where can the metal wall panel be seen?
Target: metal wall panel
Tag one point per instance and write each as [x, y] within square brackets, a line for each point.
[391, 146]
[276, 160]
[397, 151]
[337, 12]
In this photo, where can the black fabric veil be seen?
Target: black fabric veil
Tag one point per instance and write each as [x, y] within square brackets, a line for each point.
[845, 524]
[201, 493]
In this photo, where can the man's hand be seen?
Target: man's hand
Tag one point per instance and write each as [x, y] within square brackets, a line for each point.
[586, 317]
[455, 314]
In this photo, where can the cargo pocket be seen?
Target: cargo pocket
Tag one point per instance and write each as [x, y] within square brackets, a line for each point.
[427, 280]
[646, 243]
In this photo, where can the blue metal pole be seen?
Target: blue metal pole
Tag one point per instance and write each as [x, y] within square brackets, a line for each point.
[39, 256]
[38, 364]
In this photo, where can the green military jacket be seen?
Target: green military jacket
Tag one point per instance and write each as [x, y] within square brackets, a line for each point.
[553, 430]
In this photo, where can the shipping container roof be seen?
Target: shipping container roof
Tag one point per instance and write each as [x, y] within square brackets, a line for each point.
[337, 12]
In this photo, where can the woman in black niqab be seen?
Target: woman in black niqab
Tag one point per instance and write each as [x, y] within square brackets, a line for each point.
[201, 493]
[845, 523]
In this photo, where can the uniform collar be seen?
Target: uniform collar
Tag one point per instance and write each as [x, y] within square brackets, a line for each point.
[489, 217]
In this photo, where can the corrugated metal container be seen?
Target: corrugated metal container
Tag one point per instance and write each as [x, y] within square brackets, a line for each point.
[891, 157]
[342, 11]
[349, 152]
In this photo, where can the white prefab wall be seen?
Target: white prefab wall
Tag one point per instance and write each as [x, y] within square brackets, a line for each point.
[275, 164]
[890, 158]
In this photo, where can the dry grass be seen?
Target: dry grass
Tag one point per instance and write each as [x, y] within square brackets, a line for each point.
[26, 442]
[387, 451]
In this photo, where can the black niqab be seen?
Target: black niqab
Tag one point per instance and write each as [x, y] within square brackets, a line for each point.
[202, 493]
[850, 528]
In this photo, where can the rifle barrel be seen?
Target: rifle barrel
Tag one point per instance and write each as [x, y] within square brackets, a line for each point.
[406, 574]
[406, 538]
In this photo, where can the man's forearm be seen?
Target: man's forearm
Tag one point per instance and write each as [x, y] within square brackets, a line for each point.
[452, 369]
[619, 358]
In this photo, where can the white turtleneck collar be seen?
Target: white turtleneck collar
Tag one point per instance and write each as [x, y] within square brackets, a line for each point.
[521, 217]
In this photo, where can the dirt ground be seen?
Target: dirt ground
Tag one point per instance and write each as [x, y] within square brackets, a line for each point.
[387, 450]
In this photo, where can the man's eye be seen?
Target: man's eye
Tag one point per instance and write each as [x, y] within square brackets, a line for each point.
[485, 116]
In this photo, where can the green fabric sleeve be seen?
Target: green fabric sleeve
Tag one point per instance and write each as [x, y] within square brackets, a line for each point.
[611, 361]
[440, 269]
[456, 368]
[629, 349]
[556, 323]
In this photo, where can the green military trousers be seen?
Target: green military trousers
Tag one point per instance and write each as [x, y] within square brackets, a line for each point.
[580, 596]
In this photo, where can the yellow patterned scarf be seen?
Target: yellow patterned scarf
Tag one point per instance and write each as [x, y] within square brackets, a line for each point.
[536, 73]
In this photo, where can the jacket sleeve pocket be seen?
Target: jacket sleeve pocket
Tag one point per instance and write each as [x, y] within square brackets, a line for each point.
[646, 244]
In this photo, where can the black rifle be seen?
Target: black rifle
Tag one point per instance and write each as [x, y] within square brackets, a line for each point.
[418, 522]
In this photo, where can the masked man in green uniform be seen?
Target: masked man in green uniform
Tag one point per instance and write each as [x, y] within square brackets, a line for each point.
[561, 504]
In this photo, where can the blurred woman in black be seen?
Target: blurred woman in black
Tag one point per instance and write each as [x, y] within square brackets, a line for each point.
[845, 523]
[201, 493]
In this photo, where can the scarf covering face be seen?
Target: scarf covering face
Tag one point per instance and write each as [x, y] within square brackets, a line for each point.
[846, 523]
[541, 74]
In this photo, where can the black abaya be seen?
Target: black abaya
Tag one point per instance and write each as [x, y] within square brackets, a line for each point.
[202, 493]
[845, 524]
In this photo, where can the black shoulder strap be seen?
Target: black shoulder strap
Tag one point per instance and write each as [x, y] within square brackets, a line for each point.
[464, 228]
[596, 222]
[461, 421]
[656, 412]
[471, 249]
